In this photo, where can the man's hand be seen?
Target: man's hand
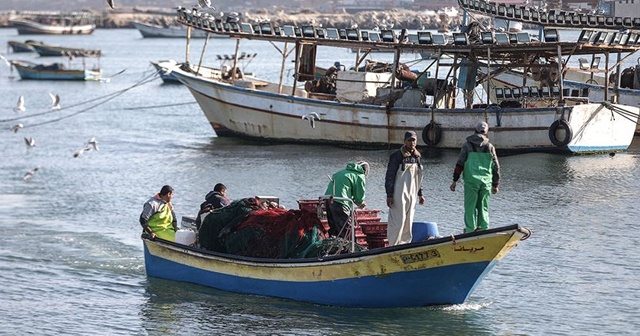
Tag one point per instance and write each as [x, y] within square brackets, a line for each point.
[390, 202]
[494, 190]
[362, 205]
[453, 186]
[421, 200]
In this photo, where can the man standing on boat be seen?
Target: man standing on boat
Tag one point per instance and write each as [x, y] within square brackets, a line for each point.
[403, 185]
[157, 217]
[348, 183]
[480, 169]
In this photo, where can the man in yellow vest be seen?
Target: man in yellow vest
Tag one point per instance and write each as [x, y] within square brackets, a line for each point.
[157, 217]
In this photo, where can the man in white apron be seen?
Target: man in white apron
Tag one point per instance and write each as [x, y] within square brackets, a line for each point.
[403, 185]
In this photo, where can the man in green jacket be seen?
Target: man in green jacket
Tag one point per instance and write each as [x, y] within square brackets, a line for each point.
[157, 217]
[480, 169]
[348, 183]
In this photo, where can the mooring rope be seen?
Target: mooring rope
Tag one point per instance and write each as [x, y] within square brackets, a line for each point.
[101, 99]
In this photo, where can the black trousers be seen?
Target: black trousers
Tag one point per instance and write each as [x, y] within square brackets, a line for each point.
[339, 218]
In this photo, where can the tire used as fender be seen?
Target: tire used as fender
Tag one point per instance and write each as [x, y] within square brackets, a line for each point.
[557, 125]
[432, 134]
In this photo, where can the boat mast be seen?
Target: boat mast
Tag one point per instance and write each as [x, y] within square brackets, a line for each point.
[235, 61]
[188, 49]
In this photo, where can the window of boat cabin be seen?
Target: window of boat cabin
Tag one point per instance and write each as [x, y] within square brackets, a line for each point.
[306, 54]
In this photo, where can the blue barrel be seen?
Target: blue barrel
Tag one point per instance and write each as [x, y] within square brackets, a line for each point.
[423, 230]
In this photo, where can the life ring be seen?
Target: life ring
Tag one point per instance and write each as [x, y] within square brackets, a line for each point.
[563, 125]
[432, 134]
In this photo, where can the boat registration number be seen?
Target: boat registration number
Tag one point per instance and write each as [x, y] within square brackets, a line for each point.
[420, 256]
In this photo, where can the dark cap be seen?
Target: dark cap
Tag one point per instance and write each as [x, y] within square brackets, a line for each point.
[410, 135]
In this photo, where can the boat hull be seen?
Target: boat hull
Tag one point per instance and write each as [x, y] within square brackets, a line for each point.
[26, 27]
[178, 31]
[440, 271]
[574, 80]
[264, 114]
[165, 73]
[29, 72]
[55, 51]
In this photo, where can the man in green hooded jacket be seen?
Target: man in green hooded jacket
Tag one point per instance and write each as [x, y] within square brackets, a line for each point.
[480, 170]
[348, 183]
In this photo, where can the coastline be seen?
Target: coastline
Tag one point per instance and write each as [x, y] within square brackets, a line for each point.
[367, 19]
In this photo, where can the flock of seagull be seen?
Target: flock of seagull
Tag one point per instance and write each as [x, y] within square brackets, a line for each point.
[30, 142]
[92, 144]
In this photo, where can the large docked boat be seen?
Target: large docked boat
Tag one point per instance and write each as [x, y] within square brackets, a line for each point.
[149, 30]
[373, 104]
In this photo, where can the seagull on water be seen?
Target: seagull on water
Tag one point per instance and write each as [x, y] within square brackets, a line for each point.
[312, 117]
[55, 101]
[16, 128]
[28, 175]
[20, 106]
[112, 3]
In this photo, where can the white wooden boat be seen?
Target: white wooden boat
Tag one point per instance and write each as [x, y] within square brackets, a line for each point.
[62, 27]
[375, 109]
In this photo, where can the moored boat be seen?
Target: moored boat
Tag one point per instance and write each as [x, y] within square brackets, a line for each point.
[148, 30]
[54, 71]
[46, 50]
[373, 108]
[58, 26]
[20, 47]
[163, 70]
[442, 270]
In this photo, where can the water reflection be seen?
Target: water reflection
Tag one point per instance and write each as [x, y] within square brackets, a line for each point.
[175, 308]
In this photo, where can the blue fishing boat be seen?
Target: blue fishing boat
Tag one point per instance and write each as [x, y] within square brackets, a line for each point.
[443, 270]
[54, 71]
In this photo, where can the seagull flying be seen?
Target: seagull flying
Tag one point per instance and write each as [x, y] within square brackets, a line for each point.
[79, 152]
[55, 101]
[312, 117]
[92, 144]
[31, 142]
[6, 61]
[204, 3]
[16, 128]
[112, 3]
[28, 175]
[20, 106]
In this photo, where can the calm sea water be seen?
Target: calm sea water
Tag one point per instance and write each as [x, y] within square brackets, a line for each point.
[71, 261]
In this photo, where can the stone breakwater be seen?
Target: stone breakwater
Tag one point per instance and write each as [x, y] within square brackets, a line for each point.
[366, 20]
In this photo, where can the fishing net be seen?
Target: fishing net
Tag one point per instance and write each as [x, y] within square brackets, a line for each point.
[248, 229]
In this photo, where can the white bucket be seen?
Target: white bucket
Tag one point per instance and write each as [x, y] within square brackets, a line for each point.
[185, 237]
